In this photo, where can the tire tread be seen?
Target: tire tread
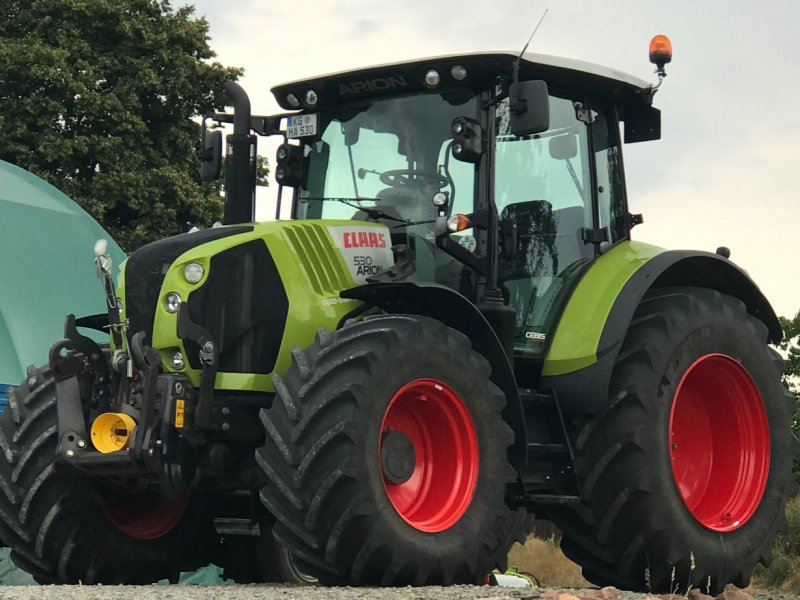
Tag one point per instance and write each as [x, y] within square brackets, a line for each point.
[619, 530]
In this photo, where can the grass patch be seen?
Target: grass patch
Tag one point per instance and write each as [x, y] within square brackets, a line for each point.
[544, 560]
[784, 572]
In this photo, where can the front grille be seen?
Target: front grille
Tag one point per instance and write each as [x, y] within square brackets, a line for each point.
[312, 249]
[147, 267]
[244, 306]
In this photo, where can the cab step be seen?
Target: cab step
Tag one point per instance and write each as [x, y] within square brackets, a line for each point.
[540, 450]
[239, 527]
[547, 499]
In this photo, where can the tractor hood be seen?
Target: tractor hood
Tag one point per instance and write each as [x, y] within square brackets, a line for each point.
[264, 289]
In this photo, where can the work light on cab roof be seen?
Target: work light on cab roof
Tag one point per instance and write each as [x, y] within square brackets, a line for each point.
[432, 78]
[458, 72]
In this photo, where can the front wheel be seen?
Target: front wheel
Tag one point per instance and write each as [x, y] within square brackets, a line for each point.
[63, 527]
[385, 457]
[687, 471]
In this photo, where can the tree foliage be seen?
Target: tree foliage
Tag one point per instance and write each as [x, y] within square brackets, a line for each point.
[97, 97]
[784, 572]
[790, 347]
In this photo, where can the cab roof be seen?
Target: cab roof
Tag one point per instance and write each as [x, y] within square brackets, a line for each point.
[481, 67]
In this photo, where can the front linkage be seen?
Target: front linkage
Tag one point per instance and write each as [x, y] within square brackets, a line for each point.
[135, 412]
[149, 430]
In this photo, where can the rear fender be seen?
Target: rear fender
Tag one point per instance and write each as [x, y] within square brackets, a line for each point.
[582, 379]
[454, 310]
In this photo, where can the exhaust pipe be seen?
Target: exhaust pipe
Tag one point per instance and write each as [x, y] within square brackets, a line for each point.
[240, 161]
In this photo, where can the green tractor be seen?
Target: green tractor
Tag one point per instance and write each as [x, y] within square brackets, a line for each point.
[455, 329]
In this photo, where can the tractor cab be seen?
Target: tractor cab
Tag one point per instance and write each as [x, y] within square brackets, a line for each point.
[501, 175]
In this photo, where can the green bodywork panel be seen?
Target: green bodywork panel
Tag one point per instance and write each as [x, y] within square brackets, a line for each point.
[313, 270]
[577, 335]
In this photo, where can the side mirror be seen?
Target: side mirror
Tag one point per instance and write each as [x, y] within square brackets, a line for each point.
[351, 133]
[563, 147]
[210, 154]
[530, 107]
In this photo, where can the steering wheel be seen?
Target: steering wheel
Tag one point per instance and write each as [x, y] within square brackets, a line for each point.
[413, 177]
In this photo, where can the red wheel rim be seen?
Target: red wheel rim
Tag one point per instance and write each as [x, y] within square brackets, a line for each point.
[144, 516]
[440, 488]
[719, 442]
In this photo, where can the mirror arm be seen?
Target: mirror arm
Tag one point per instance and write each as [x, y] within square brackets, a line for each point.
[479, 264]
[516, 103]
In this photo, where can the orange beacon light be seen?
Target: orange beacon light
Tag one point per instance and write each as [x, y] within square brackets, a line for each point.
[660, 53]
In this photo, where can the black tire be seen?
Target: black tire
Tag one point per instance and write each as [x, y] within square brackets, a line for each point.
[52, 517]
[325, 483]
[634, 529]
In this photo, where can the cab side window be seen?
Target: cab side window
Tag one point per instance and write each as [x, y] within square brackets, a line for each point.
[609, 181]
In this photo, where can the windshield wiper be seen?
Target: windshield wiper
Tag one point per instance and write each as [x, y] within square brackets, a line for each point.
[342, 199]
[372, 213]
[409, 223]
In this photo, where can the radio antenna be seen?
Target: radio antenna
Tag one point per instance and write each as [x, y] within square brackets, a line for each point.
[535, 29]
[517, 105]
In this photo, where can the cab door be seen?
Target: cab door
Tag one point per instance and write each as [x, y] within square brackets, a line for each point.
[545, 184]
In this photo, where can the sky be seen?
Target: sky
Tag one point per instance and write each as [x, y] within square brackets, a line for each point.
[723, 173]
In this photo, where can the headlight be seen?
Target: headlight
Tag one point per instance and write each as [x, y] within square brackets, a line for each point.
[173, 302]
[193, 272]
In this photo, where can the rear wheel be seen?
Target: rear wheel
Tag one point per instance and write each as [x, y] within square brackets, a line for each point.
[386, 458]
[687, 472]
[64, 528]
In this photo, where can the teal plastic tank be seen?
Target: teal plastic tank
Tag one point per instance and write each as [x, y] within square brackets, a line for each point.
[46, 270]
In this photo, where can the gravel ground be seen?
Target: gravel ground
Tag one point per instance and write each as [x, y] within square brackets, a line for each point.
[288, 592]
[266, 592]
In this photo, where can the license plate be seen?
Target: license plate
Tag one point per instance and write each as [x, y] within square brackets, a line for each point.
[302, 126]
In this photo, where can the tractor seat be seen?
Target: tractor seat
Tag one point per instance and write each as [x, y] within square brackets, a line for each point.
[548, 241]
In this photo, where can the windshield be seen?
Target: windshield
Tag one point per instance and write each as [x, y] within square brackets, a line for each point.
[383, 160]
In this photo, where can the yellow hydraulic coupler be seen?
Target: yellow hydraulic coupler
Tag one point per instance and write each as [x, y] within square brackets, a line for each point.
[111, 432]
